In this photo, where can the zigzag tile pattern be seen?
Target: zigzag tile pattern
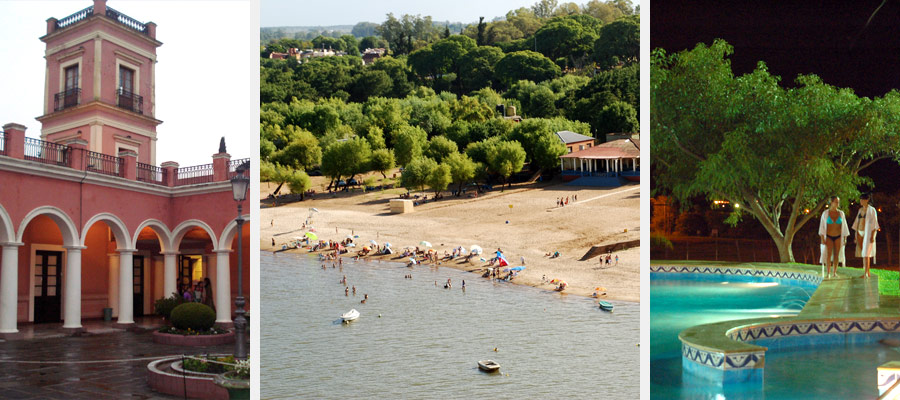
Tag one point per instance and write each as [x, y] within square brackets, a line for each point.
[734, 361]
[768, 331]
[762, 273]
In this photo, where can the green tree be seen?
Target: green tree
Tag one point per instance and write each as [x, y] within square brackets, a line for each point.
[439, 178]
[371, 83]
[481, 27]
[525, 65]
[619, 41]
[351, 45]
[771, 151]
[297, 181]
[477, 67]
[382, 161]
[565, 38]
[302, 152]
[603, 10]
[462, 169]
[507, 158]
[409, 143]
[415, 174]
[618, 117]
[535, 100]
[398, 71]
[439, 147]
[538, 138]
[375, 136]
[544, 8]
[372, 42]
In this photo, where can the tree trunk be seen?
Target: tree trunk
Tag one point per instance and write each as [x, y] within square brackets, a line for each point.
[785, 253]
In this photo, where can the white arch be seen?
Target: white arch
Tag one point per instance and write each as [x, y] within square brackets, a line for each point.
[182, 228]
[7, 232]
[65, 224]
[162, 233]
[229, 232]
[115, 224]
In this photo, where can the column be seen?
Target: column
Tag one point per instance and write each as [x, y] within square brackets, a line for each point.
[9, 287]
[223, 286]
[170, 280]
[113, 289]
[126, 286]
[72, 298]
[158, 280]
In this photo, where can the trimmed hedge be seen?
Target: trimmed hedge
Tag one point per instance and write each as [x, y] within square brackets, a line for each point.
[165, 305]
[194, 316]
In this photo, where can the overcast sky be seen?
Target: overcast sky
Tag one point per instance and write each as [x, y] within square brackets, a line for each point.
[349, 12]
[207, 75]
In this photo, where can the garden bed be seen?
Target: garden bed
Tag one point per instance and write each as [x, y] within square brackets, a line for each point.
[164, 379]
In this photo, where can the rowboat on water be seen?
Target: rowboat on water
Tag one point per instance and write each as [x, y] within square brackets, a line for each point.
[606, 306]
[488, 366]
[350, 315]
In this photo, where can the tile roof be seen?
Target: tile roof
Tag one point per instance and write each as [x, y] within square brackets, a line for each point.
[572, 137]
[622, 148]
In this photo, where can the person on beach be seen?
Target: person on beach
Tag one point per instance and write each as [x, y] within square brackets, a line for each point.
[866, 226]
[617, 259]
[833, 232]
[346, 291]
[273, 242]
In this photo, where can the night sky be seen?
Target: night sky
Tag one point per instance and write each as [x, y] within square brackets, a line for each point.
[826, 38]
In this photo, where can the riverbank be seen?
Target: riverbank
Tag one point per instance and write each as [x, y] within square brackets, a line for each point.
[532, 227]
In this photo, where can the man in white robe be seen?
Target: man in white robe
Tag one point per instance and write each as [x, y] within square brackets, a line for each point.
[866, 226]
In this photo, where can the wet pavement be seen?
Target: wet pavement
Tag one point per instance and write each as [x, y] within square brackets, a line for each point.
[105, 362]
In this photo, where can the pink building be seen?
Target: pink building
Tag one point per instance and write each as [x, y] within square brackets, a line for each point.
[87, 219]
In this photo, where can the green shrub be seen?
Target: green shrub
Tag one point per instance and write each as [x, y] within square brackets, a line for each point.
[165, 305]
[659, 241]
[193, 316]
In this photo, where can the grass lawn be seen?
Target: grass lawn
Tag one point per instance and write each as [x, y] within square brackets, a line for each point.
[887, 282]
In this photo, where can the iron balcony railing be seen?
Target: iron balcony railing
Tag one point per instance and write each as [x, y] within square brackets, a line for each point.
[3, 145]
[151, 174]
[104, 163]
[194, 174]
[47, 152]
[126, 20]
[67, 98]
[78, 16]
[130, 101]
[242, 165]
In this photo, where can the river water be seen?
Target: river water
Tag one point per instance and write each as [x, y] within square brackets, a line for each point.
[427, 340]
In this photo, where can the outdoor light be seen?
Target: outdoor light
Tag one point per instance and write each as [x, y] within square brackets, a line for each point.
[239, 185]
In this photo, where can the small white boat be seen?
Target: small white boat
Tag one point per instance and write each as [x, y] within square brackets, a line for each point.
[350, 315]
[488, 366]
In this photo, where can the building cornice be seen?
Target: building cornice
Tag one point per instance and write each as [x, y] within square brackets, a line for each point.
[68, 174]
[97, 105]
[104, 20]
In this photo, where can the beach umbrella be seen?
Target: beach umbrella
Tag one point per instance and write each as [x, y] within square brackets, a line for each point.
[366, 248]
[426, 244]
[349, 236]
[374, 243]
[475, 249]
[351, 245]
[412, 259]
[519, 268]
[312, 236]
[387, 245]
[483, 259]
[314, 209]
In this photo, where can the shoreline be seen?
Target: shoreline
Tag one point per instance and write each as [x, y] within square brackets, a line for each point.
[521, 221]
[464, 266]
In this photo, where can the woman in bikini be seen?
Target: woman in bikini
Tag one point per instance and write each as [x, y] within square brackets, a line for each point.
[833, 231]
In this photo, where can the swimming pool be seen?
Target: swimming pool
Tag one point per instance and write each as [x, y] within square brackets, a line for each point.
[681, 300]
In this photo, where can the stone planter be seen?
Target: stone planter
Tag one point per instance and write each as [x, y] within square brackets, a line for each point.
[193, 340]
[164, 379]
[238, 389]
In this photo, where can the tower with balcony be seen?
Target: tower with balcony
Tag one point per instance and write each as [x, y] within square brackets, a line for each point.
[99, 84]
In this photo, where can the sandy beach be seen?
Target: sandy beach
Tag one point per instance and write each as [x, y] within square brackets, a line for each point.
[535, 227]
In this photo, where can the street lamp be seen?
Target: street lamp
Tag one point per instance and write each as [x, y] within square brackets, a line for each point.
[239, 185]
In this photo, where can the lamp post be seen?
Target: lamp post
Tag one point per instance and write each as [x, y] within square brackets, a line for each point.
[239, 185]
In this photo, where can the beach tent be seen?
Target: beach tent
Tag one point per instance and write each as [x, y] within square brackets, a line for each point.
[475, 249]
[426, 244]
[519, 268]
[312, 236]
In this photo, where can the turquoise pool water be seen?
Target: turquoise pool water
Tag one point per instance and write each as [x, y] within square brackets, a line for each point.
[679, 301]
